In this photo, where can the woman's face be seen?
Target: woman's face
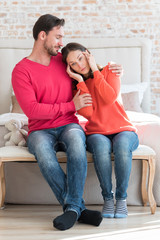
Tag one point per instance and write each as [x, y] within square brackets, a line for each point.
[78, 62]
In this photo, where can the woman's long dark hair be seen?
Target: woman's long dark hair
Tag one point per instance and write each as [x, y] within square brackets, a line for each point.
[73, 47]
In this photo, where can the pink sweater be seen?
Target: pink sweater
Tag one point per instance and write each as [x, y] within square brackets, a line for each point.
[44, 93]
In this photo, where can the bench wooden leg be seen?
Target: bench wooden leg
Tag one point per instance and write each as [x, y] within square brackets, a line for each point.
[2, 185]
[152, 201]
[144, 182]
[148, 178]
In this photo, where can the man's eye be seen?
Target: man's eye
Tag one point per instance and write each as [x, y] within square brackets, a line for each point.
[73, 64]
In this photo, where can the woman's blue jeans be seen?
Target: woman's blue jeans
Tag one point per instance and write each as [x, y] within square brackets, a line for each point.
[68, 188]
[121, 144]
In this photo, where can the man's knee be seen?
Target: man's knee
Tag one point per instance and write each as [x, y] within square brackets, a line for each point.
[39, 143]
[74, 136]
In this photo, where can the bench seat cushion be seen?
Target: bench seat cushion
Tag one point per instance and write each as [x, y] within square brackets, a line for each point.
[15, 153]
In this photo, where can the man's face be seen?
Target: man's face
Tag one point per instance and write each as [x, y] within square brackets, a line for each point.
[53, 41]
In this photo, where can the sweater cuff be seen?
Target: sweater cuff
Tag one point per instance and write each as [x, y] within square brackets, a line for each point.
[71, 107]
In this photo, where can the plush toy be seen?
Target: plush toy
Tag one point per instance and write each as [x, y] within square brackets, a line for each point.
[16, 135]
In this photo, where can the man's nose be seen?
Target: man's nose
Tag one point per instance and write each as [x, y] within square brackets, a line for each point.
[61, 42]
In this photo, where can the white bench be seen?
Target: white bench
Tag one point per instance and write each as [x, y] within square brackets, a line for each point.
[143, 153]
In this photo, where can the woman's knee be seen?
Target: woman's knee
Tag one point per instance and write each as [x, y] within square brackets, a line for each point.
[125, 142]
[99, 144]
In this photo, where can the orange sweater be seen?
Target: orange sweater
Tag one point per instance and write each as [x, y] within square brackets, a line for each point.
[107, 115]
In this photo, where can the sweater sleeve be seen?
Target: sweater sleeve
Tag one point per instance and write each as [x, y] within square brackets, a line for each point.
[107, 84]
[85, 111]
[26, 98]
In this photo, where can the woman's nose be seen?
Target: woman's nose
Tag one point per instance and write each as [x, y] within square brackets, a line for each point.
[80, 65]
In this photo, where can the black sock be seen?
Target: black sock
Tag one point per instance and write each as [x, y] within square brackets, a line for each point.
[65, 221]
[90, 217]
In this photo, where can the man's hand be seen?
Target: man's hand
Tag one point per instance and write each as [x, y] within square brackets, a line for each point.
[116, 68]
[81, 101]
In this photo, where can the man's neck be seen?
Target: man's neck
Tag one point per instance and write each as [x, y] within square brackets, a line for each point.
[40, 56]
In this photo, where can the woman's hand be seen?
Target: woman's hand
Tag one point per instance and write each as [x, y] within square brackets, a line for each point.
[73, 75]
[91, 60]
[116, 68]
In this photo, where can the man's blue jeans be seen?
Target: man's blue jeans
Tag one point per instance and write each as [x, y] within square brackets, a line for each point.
[121, 144]
[68, 188]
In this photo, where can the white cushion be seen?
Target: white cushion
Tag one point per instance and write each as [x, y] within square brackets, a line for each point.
[16, 151]
[8, 116]
[144, 150]
[136, 87]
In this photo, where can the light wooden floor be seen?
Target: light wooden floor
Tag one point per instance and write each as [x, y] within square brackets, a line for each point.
[34, 222]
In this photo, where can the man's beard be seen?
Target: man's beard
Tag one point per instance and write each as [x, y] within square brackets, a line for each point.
[50, 50]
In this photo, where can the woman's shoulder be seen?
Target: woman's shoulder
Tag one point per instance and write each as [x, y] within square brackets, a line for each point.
[104, 69]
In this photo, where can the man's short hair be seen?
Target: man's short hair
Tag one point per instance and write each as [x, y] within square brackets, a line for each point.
[46, 23]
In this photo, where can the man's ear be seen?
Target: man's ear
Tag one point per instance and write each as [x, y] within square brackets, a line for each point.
[42, 35]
